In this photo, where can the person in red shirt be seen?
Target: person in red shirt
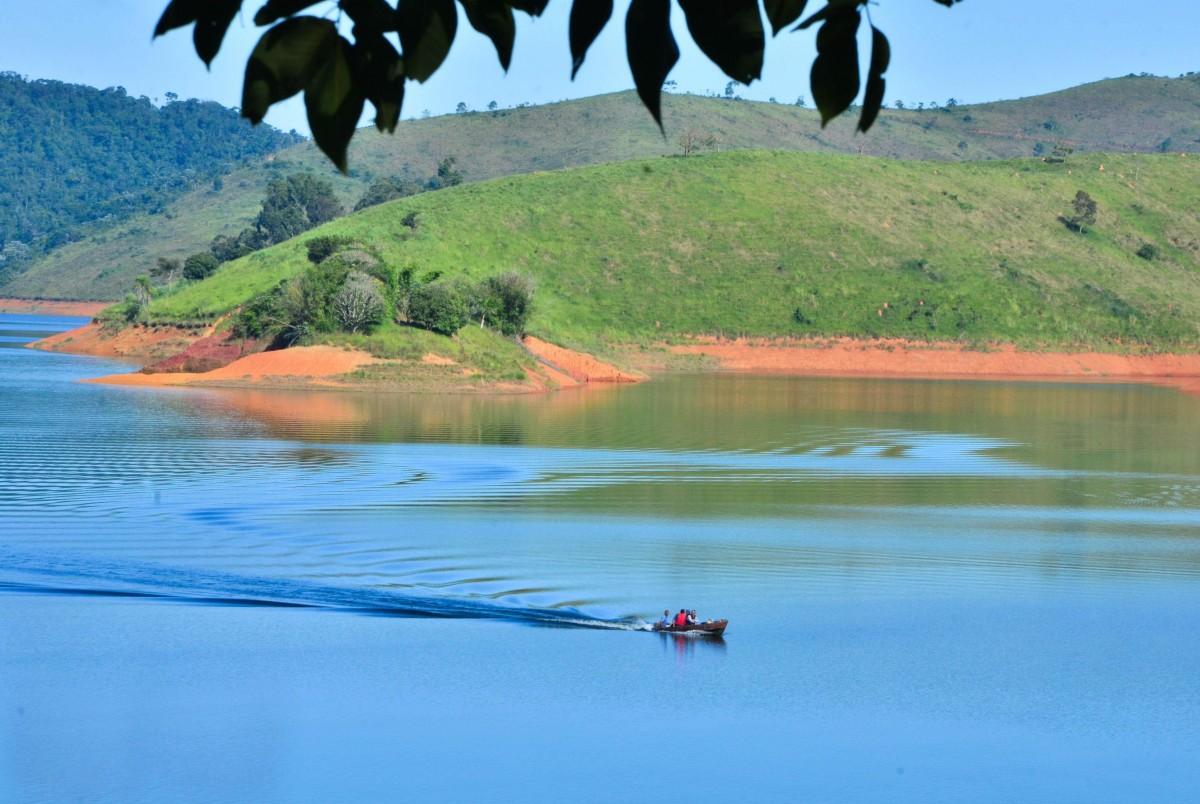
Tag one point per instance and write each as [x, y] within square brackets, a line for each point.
[681, 619]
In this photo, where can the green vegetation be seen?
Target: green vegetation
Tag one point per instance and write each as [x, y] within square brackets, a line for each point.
[776, 243]
[74, 159]
[1134, 114]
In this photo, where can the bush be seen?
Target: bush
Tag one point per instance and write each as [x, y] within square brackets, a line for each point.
[199, 266]
[321, 248]
[358, 306]
[506, 300]
[1148, 252]
[438, 307]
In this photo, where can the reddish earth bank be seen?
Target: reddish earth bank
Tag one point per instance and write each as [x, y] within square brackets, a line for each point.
[52, 307]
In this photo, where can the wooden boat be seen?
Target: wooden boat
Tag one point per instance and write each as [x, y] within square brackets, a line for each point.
[712, 628]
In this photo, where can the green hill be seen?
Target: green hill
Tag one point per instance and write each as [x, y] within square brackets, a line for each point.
[1134, 114]
[74, 159]
[778, 243]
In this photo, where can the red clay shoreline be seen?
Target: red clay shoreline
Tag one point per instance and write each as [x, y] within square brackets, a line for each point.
[560, 367]
[66, 307]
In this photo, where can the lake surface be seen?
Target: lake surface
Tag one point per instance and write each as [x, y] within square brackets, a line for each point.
[938, 591]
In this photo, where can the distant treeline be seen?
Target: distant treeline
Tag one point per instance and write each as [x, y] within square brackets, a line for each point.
[71, 155]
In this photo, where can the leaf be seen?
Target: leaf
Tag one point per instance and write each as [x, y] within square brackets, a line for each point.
[783, 13]
[832, 8]
[493, 19]
[177, 14]
[210, 28]
[284, 62]
[533, 8]
[835, 78]
[375, 16]
[334, 103]
[588, 18]
[211, 20]
[427, 29]
[274, 10]
[379, 70]
[651, 49]
[881, 55]
[730, 33]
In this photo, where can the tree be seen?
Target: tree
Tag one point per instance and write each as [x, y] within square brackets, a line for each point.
[1084, 208]
[166, 270]
[358, 305]
[461, 108]
[438, 307]
[307, 53]
[387, 189]
[199, 266]
[492, 106]
[801, 102]
[296, 204]
[448, 175]
[693, 140]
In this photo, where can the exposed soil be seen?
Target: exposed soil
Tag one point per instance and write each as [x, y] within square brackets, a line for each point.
[581, 367]
[53, 307]
[885, 358]
[143, 344]
[208, 353]
[298, 366]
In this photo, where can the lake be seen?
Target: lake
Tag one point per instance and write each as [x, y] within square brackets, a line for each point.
[938, 591]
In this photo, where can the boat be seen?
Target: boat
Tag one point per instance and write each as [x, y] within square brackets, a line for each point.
[711, 628]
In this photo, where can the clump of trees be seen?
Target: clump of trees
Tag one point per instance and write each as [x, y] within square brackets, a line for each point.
[390, 188]
[347, 288]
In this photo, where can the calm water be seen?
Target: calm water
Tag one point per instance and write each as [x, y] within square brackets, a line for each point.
[939, 591]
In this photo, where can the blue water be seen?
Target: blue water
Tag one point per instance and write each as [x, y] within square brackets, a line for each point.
[937, 591]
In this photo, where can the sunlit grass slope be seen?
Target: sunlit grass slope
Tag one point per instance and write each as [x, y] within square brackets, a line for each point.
[773, 243]
[1134, 114]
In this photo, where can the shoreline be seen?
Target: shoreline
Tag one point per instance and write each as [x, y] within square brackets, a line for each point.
[57, 307]
[557, 367]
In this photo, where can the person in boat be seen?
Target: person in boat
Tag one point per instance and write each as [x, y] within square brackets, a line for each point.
[665, 622]
[681, 619]
[691, 617]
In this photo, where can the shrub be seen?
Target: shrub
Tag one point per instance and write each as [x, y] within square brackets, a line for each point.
[200, 266]
[438, 307]
[321, 248]
[358, 306]
[1148, 252]
[506, 299]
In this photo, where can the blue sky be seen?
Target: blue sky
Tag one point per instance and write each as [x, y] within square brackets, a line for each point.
[979, 50]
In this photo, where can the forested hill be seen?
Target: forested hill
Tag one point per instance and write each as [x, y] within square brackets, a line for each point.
[71, 155]
[1135, 114]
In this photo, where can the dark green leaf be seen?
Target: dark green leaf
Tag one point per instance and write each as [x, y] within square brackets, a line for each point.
[377, 16]
[211, 26]
[783, 13]
[334, 103]
[284, 62]
[278, 9]
[832, 8]
[588, 18]
[379, 70]
[730, 33]
[533, 8]
[835, 78]
[493, 19]
[881, 55]
[179, 13]
[651, 50]
[427, 29]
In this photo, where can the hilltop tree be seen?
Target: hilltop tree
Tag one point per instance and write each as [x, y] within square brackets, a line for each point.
[296, 204]
[693, 140]
[199, 266]
[387, 189]
[166, 270]
[307, 53]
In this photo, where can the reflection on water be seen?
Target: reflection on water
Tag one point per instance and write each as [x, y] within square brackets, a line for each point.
[588, 504]
[993, 586]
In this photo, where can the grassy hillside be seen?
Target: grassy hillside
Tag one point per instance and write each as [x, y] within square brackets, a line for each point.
[778, 243]
[1120, 115]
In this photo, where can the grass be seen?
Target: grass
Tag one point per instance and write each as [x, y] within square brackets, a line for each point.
[1121, 115]
[788, 244]
[490, 356]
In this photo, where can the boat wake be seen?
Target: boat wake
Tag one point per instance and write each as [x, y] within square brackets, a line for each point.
[33, 573]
